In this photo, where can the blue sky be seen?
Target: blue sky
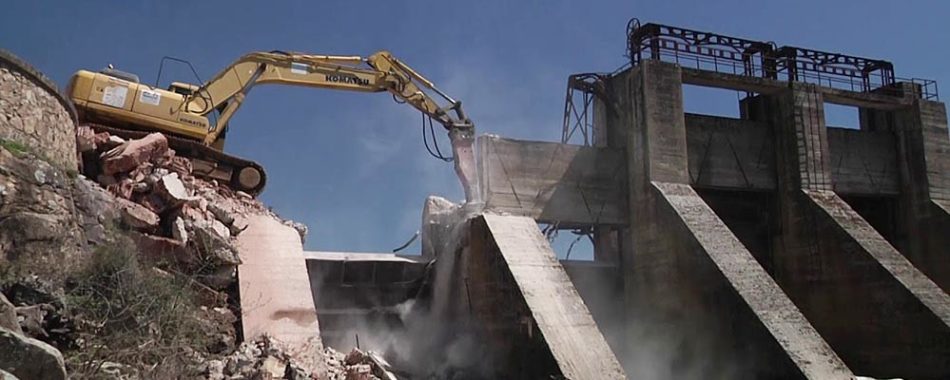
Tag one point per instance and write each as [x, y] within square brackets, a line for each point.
[352, 166]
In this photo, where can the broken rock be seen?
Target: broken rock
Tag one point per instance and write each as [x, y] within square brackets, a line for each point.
[88, 140]
[157, 248]
[133, 153]
[220, 229]
[173, 190]
[212, 245]
[178, 230]
[221, 214]
[360, 372]
[137, 216]
[273, 368]
[179, 165]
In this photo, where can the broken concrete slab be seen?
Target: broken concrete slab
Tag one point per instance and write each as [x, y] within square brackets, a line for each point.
[173, 191]
[132, 153]
[137, 216]
[276, 299]
[209, 242]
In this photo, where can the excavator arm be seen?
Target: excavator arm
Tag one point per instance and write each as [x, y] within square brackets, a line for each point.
[380, 72]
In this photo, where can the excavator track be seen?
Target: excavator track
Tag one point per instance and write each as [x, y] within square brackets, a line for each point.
[207, 162]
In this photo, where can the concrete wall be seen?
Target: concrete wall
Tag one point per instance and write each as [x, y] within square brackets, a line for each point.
[694, 294]
[863, 162]
[360, 294]
[737, 154]
[878, 312]
[34, 114]
[552, 183]
[924, 150]
[729, 153]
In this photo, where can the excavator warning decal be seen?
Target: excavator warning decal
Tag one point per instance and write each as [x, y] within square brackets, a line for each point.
[115, 96]
[150, 97]
[299, 68]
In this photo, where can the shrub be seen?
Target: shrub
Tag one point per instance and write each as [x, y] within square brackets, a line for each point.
[131, 313]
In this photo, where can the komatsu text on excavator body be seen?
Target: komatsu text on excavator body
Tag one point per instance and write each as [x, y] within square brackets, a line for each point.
[195, 118]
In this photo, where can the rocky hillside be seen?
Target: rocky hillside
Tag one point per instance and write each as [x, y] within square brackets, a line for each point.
[128, 276]
[115, 261]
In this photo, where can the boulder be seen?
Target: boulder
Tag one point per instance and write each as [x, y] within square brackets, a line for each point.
[8, 318]
[133, 153]
[28, 358]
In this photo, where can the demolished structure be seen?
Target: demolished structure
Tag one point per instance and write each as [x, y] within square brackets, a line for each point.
[768, 246]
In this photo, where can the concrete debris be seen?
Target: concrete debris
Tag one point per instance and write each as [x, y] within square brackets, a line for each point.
[263, 358]
[220, 228]
[179, 218]
[209, 243]
[88, 140]
[273, 368]
[171, 188]
[137, 216]
[179, 232]
[367, 365]
[221, 214]
[356, 365]
[133, 153]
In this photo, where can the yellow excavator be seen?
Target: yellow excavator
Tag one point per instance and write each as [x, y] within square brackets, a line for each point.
[116, 102]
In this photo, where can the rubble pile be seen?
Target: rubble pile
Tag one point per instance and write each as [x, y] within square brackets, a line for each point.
[174, 215]
[264, 358]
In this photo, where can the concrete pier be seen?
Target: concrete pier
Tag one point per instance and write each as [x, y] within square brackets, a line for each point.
[524, 298]
[275, 290]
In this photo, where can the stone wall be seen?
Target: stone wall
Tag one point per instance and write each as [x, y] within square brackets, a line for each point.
[33, 114]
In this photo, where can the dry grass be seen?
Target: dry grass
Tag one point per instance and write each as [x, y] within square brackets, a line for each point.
[131, 313]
